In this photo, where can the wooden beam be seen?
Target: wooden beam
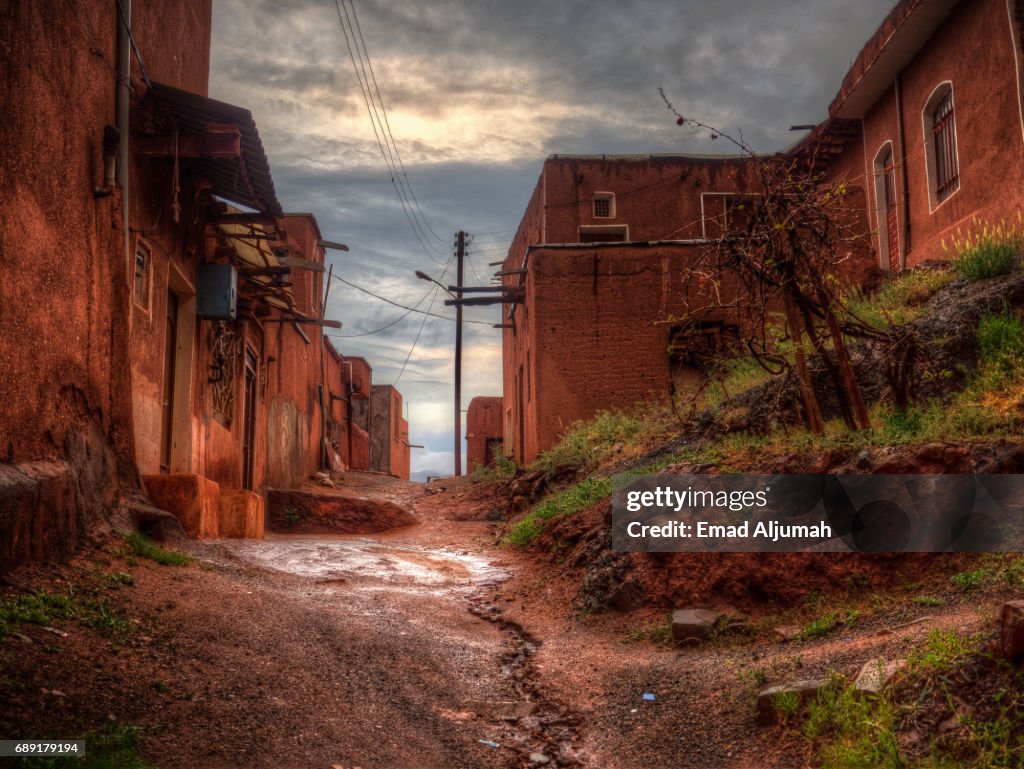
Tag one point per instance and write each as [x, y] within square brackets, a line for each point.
[220, 140]
[257, 218]
[504, 325]
[483, 301]
[298, 263]
[475, 289]
[331, 244]
[254, 271]
[501, 273]
[307, 322]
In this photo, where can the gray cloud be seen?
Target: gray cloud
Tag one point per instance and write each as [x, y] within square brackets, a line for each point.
[479, 93]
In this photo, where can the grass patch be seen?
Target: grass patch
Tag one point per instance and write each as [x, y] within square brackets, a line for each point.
[48, 608]
[988, 250]
[854, 731]
[928, 600]
[503, 467]
[899, 300]
[941, 651]
[141, 545]
[659, 633]
[826, 623]
[568, 502]
[733, 376]
[587, 444]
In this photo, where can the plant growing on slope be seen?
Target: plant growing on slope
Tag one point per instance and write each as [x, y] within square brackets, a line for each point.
[782, 250]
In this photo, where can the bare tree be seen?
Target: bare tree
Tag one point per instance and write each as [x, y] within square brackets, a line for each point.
[779, 252]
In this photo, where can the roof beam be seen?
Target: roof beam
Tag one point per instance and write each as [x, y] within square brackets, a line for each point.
[220, 140]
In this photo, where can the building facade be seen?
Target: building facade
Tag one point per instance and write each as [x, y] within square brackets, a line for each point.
[483, 432]
[162, 315]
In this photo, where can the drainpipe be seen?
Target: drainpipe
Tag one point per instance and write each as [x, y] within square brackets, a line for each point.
[905, 238]
[124, 73]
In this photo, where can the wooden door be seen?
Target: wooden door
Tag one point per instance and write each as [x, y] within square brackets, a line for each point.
[167, 395]
[891, 222]
[249, 421]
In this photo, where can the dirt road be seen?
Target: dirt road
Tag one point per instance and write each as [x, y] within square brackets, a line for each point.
[420, 648]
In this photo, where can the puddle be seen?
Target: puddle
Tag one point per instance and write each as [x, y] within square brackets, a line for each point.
[361, 559]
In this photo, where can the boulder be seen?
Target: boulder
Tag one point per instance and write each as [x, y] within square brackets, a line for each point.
[788, 632]
[1012, 623]
[694, 623]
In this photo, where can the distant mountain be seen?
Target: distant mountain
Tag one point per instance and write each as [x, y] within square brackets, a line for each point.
[420, 476]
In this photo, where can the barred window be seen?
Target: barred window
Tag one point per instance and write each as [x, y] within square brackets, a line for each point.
[941, 149]
[604, 205]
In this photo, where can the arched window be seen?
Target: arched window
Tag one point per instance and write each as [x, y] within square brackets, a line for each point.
[940, 144]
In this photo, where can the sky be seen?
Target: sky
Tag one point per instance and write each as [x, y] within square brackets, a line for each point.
[477, 93]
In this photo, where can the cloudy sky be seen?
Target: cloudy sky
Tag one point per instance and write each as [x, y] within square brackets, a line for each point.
[478, 93]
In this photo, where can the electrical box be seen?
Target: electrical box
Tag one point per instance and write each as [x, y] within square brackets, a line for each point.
[217, 292]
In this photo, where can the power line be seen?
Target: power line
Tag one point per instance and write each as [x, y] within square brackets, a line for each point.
[387, 123]
[399, 304]
[424, 321]
[371, 105]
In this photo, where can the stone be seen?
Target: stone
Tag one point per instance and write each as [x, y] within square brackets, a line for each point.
[877, 674]
[501, 710]
[193, 499]
[694, 623]
[1012, 635]
[294, 511]
[804, 690]
[788, 632]
[241, 514]
[538, 759]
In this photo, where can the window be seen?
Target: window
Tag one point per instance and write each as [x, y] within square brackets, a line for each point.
[727, 212]
[604, 205]
[604, 233]
[143, 257]
[940, 145]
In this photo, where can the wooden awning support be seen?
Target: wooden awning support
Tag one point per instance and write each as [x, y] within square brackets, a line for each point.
[521, 271]
[483, 301]
[307, 322]
[298, 263]
[331, 244]
[476, 289]
[219, 140]
[227, 218]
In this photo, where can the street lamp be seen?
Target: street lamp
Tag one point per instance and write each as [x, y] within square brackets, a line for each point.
[458, 352]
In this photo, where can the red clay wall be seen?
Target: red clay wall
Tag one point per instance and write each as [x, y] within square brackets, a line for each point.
[389, 432]
[483, 423]
[974, 49]
[64, 329]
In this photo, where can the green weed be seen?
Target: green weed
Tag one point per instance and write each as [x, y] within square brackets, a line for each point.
[143, 546]
[987, 251]
[113, 747]
[568, 502]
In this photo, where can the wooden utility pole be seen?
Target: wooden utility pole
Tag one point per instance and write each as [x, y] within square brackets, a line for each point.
[460, 253]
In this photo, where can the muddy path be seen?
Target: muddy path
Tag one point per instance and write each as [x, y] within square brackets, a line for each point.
[423, 647]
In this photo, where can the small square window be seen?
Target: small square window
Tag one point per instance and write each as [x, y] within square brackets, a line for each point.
[604, 205]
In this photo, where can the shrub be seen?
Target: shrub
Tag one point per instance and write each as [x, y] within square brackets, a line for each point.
[568, 502]
[988, 251]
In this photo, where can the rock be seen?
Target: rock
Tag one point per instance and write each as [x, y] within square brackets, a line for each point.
[863, 461]
[23, 638]
[1012, 623]
[566, 757]
[877, 674]
[804, 690]
[501, 710]
[788, 632]
[295, 511]
[538, 759]
[694, 623]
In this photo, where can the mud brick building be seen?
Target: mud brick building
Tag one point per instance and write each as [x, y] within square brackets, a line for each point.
[600, 259]
[927, 130]
[936, 97]
[483, 432]
[160, 314]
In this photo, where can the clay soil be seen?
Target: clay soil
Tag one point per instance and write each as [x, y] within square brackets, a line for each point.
[406, 649]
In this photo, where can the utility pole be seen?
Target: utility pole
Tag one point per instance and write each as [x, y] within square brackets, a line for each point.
[460, 253]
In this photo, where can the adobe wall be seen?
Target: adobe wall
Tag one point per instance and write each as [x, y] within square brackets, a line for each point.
[389, 450]
[974, 49]
[658, 198]
[65, 382]
[483, 422]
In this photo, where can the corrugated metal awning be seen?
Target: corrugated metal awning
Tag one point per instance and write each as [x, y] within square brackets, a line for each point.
[246, 180]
